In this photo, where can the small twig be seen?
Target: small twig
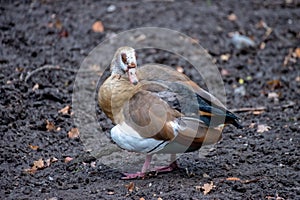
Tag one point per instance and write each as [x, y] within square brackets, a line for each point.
[56, 67]
[288, 57]
[248, 109]
[46, 67]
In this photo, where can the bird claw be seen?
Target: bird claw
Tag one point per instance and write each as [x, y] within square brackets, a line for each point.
[128, 176]
[169, 168]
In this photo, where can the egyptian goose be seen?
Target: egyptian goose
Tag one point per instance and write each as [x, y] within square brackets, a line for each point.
[159, 110]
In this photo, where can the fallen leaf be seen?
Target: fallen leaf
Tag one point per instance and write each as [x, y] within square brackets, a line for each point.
[274, 84]
[58, 24]
[252, 125]
[111, 8]
[68, 159]
[225, 57]
[262, 45]
[73, 133]
[35, 87]
[50, 126]
[110, 192]
[65, 110]
[130, 186]
[54, 159]
[180, 69]
[261, 24]
[39, 163]
[258, 112]
[207, 187]
[262, 128]
[98, 27]
[30, 170]
[48, 162]
[33, 147]
[198, 187]
[273, 95]
[142, 198]
[288, 57]
[224, 72]
[233, 179]
[93, 164]
[297, 52]
[64, 33]
[140, 38]
[232, 17]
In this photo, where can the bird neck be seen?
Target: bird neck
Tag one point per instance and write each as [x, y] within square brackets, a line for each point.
[116, 67]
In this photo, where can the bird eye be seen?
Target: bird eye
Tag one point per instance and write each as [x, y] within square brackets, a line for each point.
[124, 58]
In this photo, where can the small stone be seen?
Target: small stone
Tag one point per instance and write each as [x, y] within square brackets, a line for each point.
[240, 90]
[111, 8]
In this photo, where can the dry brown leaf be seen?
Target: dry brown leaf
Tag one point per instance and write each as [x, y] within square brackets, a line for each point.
[297, 52]
[207, 187]
[262, 45]
[39, 163]
[252, 125]
[232, 17]
[48, 162]
[68, 159]
[273, 95]
[73, 133]
[274, 84]
[261, 24]
[233, 179]
[130, 186]
[58, 24]
[30, 170]
[98, 27]
[262, 128]
[64, 33]
[65, 110]
[258, 112]
[35, 87]
[225, 57]
[180, 69]
[110, 192]
[224, 72]
[54, 159]
[33, 147]
[198, 187]
[50, 126]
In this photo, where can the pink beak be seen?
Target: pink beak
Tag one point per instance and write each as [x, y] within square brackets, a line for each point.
[132, 76]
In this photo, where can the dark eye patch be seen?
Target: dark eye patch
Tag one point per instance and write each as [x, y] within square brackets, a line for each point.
[124, 58]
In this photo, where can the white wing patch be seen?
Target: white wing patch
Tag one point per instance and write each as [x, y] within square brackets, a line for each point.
[127, 138]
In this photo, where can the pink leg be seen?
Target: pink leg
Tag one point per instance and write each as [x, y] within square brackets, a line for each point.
[168, 168]
[142, 173]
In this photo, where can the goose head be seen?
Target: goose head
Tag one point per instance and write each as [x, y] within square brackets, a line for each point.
[124, 62]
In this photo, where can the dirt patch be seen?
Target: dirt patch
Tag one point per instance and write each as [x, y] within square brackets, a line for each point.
[35, 33]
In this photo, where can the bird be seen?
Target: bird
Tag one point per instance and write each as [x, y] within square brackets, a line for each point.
[156, 109]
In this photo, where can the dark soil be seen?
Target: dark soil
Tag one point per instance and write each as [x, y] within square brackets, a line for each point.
[36, 33]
